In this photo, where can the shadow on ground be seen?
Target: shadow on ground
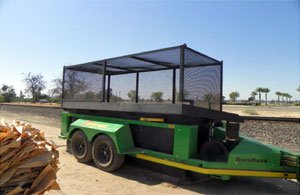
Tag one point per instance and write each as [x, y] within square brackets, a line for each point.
[205, 184]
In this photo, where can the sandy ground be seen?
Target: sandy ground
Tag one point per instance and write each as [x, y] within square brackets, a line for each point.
[271, 111]
[78, 178]
[32, 104]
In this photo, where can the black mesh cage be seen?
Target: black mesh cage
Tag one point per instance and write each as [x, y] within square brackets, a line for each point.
[202, 86]
[122, 88]
[80, 85]
[165, 76]
[156, 87]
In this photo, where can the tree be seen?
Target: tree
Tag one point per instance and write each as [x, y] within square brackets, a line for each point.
[266, 91]
[208, 97]
[7, 93]
[157, 96]
[259, 90]
[75, 84]
[185, 94]
[298, 89]
[34, 85]
[115, 98]
[289, 97]
[21, 95]
[233, 96]
[278, 95]
[56, 91]
[131, 94]
[254, 94]
[283, 95]
[4, 88]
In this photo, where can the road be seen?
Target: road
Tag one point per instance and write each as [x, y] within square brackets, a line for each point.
[77, 178]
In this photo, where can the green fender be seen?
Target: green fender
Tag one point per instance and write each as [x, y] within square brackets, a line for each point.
[119, 133]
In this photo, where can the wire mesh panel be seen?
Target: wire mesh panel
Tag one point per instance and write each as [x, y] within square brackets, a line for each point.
[79, 85]
[156, 87]
[122, 88]
[191, 58]
[202, 86]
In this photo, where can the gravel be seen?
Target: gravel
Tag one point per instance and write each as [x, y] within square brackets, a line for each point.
[282, 134]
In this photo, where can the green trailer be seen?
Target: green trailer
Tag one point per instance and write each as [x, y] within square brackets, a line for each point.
[125, 106]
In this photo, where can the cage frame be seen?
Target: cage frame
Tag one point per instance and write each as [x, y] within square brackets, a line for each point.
[106, 74]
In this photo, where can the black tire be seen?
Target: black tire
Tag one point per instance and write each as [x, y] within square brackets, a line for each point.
[214, 151]
[105, 154]
[81, 147]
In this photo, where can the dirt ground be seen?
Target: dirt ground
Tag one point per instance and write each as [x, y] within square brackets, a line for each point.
[270, 111]
[77, 178]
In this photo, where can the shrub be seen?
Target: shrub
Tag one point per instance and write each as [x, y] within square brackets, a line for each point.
[250, 111]
[54, 100]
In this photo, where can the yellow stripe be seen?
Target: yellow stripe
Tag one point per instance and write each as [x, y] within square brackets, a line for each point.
[218, 171]
[160, 120]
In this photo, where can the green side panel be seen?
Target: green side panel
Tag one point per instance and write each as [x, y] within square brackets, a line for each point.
[119, 133]
[65, 122]
[250, 154]
[185, 141]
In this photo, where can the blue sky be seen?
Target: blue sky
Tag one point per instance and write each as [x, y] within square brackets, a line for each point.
[259, 41]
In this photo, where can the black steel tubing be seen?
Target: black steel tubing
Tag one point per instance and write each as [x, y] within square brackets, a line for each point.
[103, 81]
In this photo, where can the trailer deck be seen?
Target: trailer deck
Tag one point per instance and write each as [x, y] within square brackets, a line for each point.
[154, 109]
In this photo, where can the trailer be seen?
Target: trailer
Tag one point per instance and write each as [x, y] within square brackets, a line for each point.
[162, 106]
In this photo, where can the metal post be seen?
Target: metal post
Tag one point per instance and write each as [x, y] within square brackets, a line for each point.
[137, 88]
[181, 75]
[108, 88]
[103, 81]
[174, 87]
[221, 87]
[63, 86]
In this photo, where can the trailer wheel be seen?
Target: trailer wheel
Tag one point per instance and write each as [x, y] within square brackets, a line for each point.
[213, 150]
[81, 147]
[105, 154]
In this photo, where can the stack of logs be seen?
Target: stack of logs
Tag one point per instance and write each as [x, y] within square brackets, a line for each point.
[28, 162]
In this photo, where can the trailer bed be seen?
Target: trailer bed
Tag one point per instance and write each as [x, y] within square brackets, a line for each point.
[160, 109]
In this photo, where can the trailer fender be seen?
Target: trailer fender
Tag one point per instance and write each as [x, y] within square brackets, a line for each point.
[119, 133]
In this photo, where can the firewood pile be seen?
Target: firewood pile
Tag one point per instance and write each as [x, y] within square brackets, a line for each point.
[28, 162]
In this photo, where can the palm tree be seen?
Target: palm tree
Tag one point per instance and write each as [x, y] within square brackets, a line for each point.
[278, 94]
[284, 95]
[259, 90]
[282, 98]
[266, 91]
[253, 94]
[289, 96]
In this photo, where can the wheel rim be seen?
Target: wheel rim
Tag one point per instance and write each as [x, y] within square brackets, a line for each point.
[80, 146]
[104, 155]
